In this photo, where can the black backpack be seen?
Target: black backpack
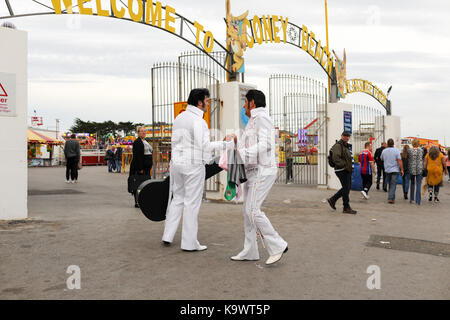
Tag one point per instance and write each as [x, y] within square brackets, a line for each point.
[330, 156]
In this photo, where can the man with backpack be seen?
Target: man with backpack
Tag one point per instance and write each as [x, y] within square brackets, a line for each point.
[340, 159]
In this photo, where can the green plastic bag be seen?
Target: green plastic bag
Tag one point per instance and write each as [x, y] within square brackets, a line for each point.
[230, 191]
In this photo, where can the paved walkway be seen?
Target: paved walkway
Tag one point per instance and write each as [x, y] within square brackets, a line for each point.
[94, 225]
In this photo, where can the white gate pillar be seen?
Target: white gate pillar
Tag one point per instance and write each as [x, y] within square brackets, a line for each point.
[232, 99]
[13, 124]
[335, 128]
[393, 130]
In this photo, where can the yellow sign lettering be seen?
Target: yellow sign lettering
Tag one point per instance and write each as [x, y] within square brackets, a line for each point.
[325, 53]
[258, 32]
[267, 28]
[284, 24]
[330, 64]
[305, 38]
[57, 6]
[208, 42]
[311, 43]
[154, 12]
[117, 13]
[276, 29]
[136, 16]
[319, 50]
[250, 40]
[82, 9]
[100, 11]
[170, 19]
[199, 28]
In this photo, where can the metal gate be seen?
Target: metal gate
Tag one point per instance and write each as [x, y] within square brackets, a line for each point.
[298, 107]
[171, 83]
[367, 124]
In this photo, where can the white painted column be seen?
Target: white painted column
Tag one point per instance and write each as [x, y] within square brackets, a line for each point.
[379, 133]
[232, 97]
[335, 129]
[13, 125]
[393, 130]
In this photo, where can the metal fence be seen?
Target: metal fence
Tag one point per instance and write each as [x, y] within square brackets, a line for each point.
[298, 108]
[171, 83]
[199, 59]
[367, 125]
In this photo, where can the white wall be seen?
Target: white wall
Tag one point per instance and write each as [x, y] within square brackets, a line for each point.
[13, 130]
[231, 94]
[393, 130]
[335, 129]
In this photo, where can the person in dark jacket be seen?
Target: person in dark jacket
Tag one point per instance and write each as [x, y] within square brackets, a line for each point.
[142, 161]
[118, 158]
[380, 167]
[342, 159]
[109, 157]
[72, 154]
[406, 176]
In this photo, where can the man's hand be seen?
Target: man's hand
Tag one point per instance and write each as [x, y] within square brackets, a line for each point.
[231, 137]
[141, 172]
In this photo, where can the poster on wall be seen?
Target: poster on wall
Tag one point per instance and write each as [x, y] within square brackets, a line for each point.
[7, 95]
[180, 107]
[348, 121]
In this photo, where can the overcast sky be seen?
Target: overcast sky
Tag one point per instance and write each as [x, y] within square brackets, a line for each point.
[98, 68]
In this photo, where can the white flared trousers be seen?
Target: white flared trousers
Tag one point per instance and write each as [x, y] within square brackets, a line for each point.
[187, 184]
[256, 190]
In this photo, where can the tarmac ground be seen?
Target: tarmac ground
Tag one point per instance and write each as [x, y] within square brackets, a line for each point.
[93, 225]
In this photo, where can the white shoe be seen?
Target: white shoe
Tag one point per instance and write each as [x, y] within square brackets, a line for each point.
[364, 194]
[76, 181]
[238, 258]
[72, 181]
[201, 248]
[67, 181]
[276, 257]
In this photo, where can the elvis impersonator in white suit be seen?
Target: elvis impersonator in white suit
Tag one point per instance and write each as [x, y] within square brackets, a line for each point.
[257, 149]
[191, 150]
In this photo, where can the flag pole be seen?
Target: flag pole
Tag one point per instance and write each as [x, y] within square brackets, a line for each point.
[328, 45]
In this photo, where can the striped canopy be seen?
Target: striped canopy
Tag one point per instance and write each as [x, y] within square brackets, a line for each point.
[36, 137]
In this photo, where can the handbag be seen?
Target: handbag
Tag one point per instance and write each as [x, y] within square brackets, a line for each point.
[134, 181]
[80, 165]
[424, 172]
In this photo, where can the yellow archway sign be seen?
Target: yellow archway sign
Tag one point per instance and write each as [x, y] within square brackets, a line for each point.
[179, 107]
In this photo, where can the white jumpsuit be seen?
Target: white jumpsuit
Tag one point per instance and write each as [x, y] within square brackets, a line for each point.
[257, 149]
[191, 150]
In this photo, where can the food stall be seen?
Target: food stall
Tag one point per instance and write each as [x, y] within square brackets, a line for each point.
[41, 149]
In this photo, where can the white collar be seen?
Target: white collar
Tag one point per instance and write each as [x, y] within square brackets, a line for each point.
[256, 111]
[195, 110]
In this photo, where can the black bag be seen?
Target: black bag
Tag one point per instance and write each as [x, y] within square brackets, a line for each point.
[424, 172]
[330, 157]
[135, 181]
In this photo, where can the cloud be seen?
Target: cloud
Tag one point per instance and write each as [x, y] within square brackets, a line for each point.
[99, 68]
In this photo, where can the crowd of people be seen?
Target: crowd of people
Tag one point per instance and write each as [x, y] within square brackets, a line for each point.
[113, 157]
[420, 170]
